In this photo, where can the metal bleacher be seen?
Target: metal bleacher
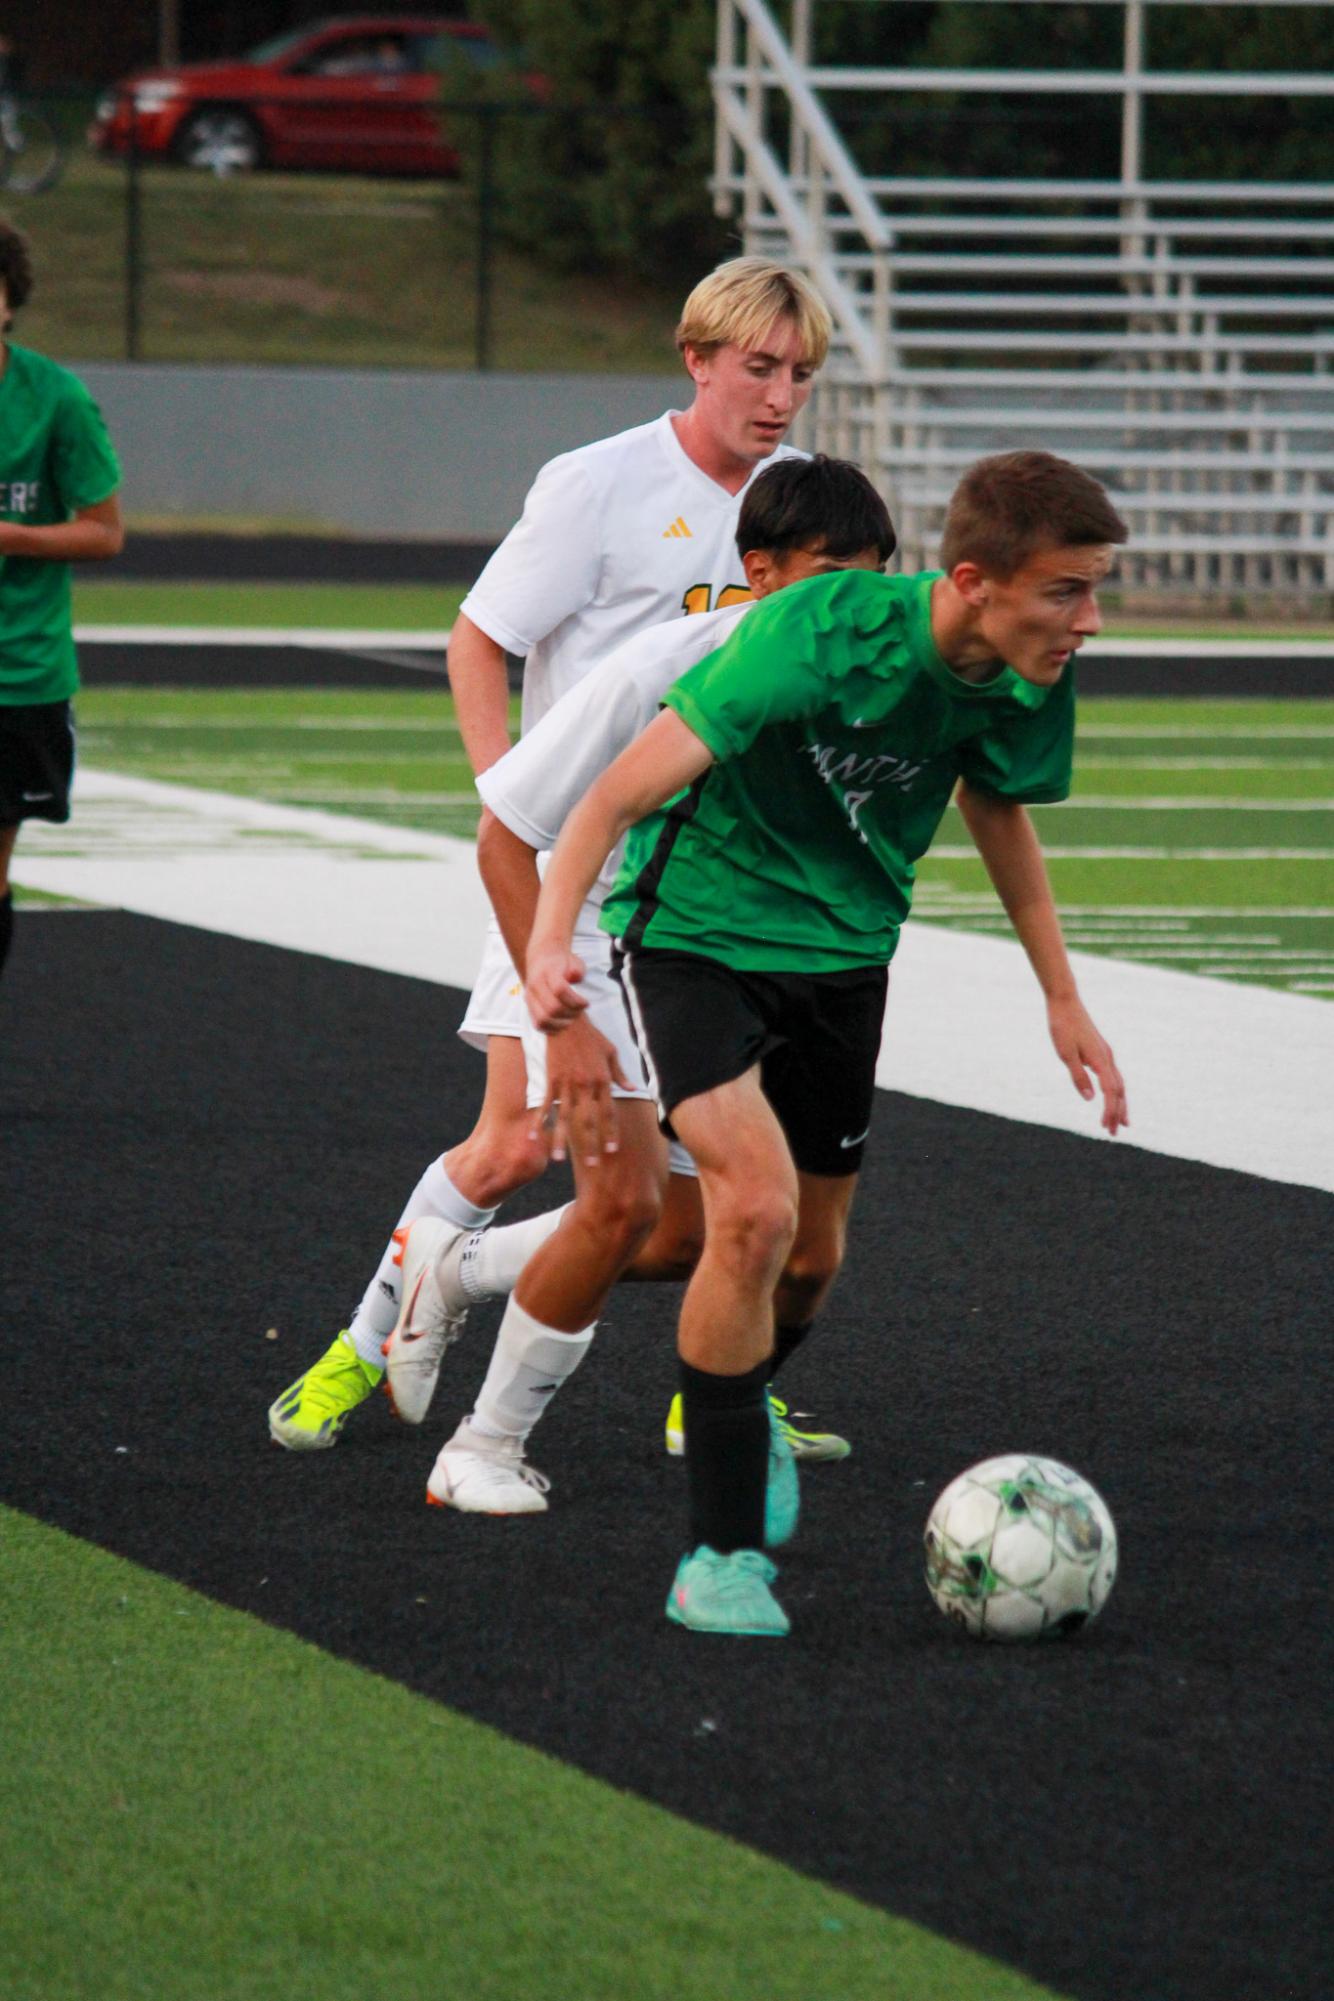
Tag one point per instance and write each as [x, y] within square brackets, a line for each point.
[1177, 338]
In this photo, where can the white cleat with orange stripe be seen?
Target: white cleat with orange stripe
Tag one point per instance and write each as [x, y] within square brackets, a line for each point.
[431, 1316]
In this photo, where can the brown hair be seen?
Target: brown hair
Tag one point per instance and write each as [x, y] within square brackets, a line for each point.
[1008, 508]
[740, 301]
[15, 268]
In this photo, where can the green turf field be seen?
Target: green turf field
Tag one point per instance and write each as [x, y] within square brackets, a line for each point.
[1200, 835]
[100, 600]
[366, 607]
[201, 1808]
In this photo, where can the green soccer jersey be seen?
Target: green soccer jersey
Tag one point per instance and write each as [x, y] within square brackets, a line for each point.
[55, 458]
[840, 735]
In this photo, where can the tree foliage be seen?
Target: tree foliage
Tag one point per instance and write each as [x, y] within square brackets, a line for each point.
[610, 171]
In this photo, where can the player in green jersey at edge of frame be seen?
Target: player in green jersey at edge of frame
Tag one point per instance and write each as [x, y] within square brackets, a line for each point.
[777, 807]
[58, 481]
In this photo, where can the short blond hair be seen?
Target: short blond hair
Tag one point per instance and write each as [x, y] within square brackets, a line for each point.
[740, 301]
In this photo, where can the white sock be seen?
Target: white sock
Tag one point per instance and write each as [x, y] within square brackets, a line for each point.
[434, 1195]
[493, 1259]
[529, 1363]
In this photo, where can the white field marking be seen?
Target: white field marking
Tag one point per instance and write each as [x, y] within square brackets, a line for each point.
[359, 890]
[1201, 732]
[1218, 1071]
[1313, 986]
[369, 795]
[1214, 949]
[1208, 649]
[1109, 910]
[326, 639]
[1204, 764]
[1097, 802]
[443, 725]
[1177, 943]
[948, 852]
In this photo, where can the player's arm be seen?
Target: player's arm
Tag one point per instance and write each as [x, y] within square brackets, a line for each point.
[1007, 841]
[91, 535]
[479, 680]
[666, 759]
[508, 868]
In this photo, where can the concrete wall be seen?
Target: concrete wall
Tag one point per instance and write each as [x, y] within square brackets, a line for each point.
[362, 452]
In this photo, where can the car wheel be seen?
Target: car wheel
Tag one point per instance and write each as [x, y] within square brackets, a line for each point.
[220, 137]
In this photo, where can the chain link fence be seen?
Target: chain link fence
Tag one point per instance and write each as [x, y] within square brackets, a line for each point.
[143, 258]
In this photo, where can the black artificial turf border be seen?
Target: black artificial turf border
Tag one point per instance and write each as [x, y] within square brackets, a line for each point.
[205, 1139]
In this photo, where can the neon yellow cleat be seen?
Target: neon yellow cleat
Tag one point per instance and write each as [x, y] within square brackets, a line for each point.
[812, 1446]
[309, 1415]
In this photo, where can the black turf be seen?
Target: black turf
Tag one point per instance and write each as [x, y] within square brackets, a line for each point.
[203, 1139]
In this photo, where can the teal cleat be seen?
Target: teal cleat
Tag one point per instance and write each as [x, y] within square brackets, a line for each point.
[813, 1447]
[726, 1594]
[782, 1493]
[311, 1412]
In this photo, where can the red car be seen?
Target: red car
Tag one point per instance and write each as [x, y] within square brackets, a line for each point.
[359, 93]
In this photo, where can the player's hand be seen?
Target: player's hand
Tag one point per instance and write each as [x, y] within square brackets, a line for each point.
[551, 988]
[1081, 1048]
[582, 1066]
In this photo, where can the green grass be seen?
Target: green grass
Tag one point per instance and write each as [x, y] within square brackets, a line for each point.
[1200, 835]
[198, 1807]
[103, 600]
[379, 607]
[320, 269]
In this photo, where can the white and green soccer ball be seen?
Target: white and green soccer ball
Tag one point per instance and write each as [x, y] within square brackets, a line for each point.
[1020, 1547]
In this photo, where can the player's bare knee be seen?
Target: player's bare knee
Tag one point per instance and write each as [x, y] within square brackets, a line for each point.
[496, 1160]
[619, 1211]
[754, 1233]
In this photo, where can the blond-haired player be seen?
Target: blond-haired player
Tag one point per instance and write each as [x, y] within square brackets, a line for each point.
[614, 538]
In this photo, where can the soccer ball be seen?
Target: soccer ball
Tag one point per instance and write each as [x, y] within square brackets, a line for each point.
[1020, 1547]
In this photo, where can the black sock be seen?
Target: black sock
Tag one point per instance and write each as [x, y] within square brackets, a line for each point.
[786, 1342]
[727, 1457]
[6, 925]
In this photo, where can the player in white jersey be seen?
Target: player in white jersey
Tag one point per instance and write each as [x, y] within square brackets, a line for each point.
[615, 537]
[801, 518]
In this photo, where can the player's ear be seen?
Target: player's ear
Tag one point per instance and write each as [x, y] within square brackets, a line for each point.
[972, 584]
[758, 565]
[697, 365]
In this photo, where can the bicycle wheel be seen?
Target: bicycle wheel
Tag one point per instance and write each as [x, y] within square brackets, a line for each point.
[32, 155]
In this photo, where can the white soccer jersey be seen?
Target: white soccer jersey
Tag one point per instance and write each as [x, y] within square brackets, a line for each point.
[615, 537]
[538, 783]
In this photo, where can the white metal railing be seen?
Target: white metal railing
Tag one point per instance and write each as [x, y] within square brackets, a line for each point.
[1177, 336]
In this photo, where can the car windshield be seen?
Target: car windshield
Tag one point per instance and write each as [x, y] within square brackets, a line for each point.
[269, 51]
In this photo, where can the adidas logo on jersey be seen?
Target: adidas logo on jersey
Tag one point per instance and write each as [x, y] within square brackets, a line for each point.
[677, 529]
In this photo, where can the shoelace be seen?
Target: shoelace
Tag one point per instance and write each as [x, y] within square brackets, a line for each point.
[493, 1467]
[733, 1573]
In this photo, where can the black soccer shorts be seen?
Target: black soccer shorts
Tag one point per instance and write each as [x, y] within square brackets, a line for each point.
[36, 761]
[816, 1036]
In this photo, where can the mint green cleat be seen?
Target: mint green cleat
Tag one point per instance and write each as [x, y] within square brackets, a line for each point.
[726, 1594]
[782, 1492]
[309, 1415]
[812, 1447]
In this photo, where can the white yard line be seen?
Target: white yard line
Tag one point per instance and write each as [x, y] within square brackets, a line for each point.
[327, 639]
[952, 852]
[1217, 1072]
[1092, 726]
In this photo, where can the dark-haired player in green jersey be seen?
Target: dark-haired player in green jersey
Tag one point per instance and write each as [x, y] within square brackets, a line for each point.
[804, 768]
[58, 481]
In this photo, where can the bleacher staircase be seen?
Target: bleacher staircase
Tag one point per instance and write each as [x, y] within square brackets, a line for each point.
[1174, 337]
